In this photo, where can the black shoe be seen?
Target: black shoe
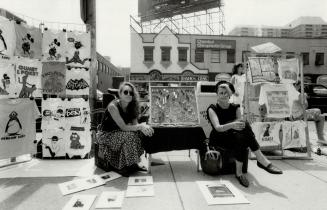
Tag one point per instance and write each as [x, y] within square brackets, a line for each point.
[270, 168]
[243, 180]
[136, 167]
[125, 172]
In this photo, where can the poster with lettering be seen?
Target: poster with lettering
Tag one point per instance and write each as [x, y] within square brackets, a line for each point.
[277, 100]
[262, 69]
[173, 105]
[53, 78]
[268, 134]
[288, 70]
[77, 113]
[53, 113]
[17, 130]
[78, 49]
[28, 41]
[77, 81]
[53, 45]
[7, 39]
[8, 82]
[28, 77]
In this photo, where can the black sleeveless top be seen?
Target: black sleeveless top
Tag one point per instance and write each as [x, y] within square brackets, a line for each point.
[108, 124]
[224, 115]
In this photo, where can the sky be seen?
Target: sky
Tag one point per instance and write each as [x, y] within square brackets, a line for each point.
[113, 17]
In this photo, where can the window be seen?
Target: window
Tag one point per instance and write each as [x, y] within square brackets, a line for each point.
[230, 56]
[290, 55]
[199, 55]
[165, 53]
[215, 56]
[319, 59]
[305, 58]
[182, 54]
[148, 53]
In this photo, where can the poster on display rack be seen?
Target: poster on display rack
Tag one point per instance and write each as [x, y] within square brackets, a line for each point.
[288, 70]
[262, 69]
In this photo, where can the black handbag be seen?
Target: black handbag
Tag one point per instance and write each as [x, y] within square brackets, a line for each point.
[211, 160]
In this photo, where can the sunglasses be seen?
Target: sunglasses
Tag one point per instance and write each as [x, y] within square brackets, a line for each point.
[126, 92]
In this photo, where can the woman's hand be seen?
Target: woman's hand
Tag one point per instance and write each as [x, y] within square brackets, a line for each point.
[146, 129]
[238, 125]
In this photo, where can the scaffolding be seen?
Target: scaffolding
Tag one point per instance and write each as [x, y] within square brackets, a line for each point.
[206, 22]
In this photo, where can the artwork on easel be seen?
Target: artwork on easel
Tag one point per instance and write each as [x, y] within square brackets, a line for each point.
[288, 70]
[262, 69]
[173, 106]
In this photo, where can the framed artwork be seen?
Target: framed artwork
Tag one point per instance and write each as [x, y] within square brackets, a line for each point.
[140, 180]
[262, 69]
[221, 193]
[173, 106]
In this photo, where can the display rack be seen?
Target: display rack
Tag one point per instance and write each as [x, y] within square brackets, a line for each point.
[273, 152]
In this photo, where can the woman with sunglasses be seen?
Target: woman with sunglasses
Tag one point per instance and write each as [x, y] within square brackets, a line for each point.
[120, 134]
[230, 132]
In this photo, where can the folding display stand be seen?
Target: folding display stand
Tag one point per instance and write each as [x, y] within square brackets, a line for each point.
[253, 117]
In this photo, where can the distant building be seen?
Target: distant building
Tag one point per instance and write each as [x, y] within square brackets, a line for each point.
[300, 27]
[105, 72]
[166, 57]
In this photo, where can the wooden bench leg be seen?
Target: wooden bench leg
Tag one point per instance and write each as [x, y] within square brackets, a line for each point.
[198, 160]
[149, 163]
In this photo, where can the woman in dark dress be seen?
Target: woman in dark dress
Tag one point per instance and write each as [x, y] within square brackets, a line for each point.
[230, 132]
[120, 136]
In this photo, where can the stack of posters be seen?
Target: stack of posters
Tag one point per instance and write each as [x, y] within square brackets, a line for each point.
[82, 202]
[140, 186]
[87, 183]
[221, 192]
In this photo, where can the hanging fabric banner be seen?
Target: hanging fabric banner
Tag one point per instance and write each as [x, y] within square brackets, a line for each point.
[7, 39]
[78, 49]
[53, 45]
[17, 127]
[53, 78]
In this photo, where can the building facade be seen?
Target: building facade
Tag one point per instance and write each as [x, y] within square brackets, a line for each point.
[184, 57]
[106, 71]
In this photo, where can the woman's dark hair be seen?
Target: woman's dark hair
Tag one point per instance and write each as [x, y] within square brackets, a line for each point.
[230, 85]
[133, 108]
[235, 68]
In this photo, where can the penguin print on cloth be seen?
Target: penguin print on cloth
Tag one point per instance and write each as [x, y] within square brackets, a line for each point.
[8, 83]
[53, 45]
[79, 142]
[53, 143]
[53, 113]
[77, 81]
[7, 39]
[17, 127]
[77, 113]
[78, 49]
[28, 41]
[53, 78]
[28, 77]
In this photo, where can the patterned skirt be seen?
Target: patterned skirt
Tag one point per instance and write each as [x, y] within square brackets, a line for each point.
[120, 148]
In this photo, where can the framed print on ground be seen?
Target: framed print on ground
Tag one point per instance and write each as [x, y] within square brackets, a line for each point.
[110, 199]
[82, 202]
[221, 192]
[140, 191]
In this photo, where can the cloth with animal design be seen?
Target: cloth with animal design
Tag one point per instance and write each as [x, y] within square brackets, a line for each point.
[7, 39]
[267, 133]
[294, 134]
[77, 81]
[53, 45]
[28, 78]
[53, 78]
[79, 141]
[53, 143]
[8, 83]
[78, 49]
[28, 41]
[53, 113]
[17, 127]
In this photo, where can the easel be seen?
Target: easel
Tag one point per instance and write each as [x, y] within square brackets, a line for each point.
[247, 99]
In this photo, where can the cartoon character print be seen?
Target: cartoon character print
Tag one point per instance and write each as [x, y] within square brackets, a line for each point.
[53, 50]
[13, 127]
[76, 58]
[26, 46]
[76, 84]
[54, 148]
[26, 91]
[75, 143]
[5, 83]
